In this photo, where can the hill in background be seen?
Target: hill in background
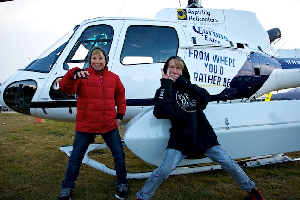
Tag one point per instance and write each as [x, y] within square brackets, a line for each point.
[292, 94]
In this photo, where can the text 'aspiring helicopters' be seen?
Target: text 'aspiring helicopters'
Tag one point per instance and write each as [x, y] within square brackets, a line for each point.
[227, 52]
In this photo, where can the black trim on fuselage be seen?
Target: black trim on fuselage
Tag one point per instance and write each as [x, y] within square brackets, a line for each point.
[72, 103]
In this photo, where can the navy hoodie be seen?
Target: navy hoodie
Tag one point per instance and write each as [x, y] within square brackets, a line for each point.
[183, 104]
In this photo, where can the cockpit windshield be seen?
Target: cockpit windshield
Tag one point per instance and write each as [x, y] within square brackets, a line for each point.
[46, 60]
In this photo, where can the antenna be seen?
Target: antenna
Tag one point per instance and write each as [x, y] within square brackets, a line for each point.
[121, 8]
[280, 47]
[179, 3]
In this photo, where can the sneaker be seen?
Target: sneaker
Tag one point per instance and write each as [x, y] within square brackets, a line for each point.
[122, 191]
[255, 194]
[65, 194]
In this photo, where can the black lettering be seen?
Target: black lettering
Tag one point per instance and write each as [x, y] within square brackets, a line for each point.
[219, 80]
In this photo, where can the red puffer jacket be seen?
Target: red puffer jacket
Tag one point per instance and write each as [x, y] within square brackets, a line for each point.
[97, 98]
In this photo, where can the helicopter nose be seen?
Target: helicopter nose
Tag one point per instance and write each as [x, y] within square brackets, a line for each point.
[18, 95]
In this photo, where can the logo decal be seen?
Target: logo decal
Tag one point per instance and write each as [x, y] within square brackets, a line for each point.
[181, 14]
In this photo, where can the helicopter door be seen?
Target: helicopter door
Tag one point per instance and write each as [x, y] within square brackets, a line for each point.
[98, 33]
[104, 35]
[142, 51]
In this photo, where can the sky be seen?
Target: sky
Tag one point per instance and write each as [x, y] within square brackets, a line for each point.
[28, 27]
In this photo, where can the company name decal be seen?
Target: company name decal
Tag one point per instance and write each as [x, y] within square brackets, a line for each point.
[215, 67]
[210, 35]
[198, 15]
[292, 62]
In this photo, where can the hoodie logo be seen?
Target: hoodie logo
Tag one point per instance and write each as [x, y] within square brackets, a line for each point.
[185, 102]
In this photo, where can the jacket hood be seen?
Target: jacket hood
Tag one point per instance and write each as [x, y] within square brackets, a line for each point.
[103, 51]
[185, 71]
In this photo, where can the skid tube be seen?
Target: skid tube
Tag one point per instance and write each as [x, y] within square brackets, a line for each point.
[250, 162]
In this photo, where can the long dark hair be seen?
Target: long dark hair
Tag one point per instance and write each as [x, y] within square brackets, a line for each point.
[185, 71]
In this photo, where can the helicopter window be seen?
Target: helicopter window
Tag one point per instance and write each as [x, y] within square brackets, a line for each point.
[100, 35]
[45, 62]
[149, 44]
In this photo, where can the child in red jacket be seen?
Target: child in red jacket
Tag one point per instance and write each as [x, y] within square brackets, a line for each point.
[98, 91]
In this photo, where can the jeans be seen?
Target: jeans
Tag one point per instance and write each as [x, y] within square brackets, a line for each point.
[172, 158]
[80, 146]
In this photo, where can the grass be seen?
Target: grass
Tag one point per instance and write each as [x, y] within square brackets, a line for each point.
[32, 167]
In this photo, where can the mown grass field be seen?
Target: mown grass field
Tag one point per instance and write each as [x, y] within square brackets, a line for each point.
[32, 167]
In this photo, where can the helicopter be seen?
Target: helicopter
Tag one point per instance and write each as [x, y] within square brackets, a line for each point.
[234, 60]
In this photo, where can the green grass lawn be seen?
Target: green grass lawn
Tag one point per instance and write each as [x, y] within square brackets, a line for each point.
[32, 167]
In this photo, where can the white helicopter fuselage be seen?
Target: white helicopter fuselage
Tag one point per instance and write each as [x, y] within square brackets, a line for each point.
[214, 45]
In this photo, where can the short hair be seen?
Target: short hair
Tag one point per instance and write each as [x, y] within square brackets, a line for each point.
[98, 52]
[178, 60]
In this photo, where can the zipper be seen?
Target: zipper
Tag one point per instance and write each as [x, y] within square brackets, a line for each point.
[102, 93]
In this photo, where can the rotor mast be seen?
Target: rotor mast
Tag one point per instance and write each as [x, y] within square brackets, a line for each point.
[194, 4]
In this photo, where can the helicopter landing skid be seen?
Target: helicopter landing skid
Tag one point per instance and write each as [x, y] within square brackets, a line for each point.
[250, 162]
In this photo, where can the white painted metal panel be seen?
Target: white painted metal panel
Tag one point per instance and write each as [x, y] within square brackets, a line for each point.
[243, 130]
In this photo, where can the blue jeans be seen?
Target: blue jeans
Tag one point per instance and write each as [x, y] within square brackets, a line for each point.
[80, 146]
[172, 158]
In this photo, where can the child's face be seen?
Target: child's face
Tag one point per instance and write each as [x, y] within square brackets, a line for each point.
[98, 61]
[174, 68]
